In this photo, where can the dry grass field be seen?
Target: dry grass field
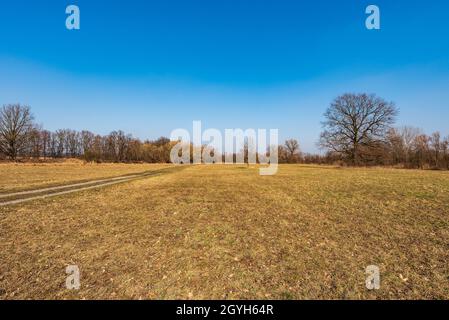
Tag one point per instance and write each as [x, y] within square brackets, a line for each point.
[28, 176]
[205, 232]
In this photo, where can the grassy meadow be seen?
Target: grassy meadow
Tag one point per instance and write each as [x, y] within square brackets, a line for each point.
[224, 232]
[29, 176]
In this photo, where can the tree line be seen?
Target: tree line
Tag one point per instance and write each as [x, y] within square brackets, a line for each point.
[21, 138]
[358, 130]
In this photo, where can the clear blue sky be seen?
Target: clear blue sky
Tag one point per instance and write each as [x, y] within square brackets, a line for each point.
[148, 67]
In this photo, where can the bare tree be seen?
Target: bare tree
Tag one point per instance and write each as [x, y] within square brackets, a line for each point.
[16, 123]
[357, 123]
[395, 146]
[408, 136]
[34, 143]
[122, 143]
[445, 152]
[436, 144]
[87, 140]
[401, 142]
[422, 151]
[292, 149]
[46, 138]
[60, 142]
[73, 144]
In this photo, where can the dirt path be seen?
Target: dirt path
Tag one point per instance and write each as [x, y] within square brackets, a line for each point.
[30, 195]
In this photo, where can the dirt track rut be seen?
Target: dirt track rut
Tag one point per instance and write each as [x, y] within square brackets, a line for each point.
[43, 193]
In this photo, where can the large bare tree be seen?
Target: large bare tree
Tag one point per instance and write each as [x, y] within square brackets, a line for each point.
[357, 123]
[16, 124]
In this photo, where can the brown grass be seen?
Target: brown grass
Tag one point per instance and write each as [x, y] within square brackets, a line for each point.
[225, 232]
[26, 176]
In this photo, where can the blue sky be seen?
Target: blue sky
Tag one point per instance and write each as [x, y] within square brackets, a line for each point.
[148, 67]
